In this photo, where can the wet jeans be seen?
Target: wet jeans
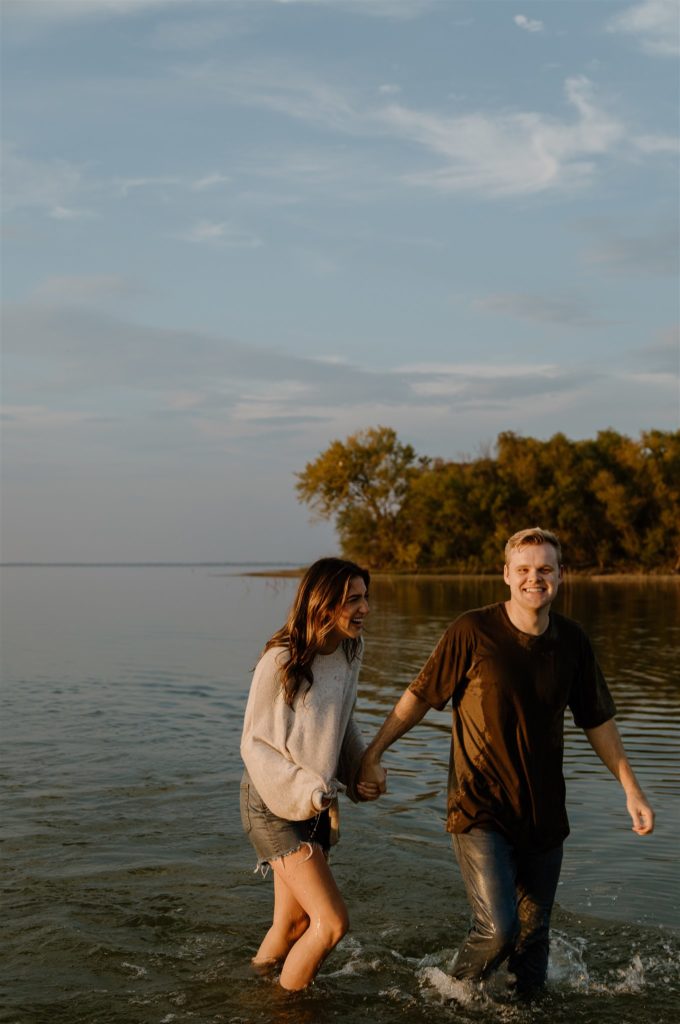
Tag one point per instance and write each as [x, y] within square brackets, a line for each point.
[511, 893]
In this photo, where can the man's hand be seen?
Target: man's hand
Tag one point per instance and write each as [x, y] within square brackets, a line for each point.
[641, 813]
[606, 742]
[372, 778]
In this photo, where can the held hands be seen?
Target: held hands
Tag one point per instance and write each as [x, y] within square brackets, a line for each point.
[372, 780]
[641, 813]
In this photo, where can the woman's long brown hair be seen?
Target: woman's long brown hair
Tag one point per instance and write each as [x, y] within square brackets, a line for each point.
[315, 610]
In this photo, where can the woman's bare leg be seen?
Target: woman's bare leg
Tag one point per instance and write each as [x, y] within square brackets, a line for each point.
[309, 881]
[290, 921]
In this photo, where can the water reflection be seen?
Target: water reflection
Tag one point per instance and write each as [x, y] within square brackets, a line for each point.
[130, 897]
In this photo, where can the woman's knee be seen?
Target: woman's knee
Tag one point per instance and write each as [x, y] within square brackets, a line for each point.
[333, 926]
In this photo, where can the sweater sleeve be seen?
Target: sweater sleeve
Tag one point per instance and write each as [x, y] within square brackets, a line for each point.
[287, 788]
[351, 753]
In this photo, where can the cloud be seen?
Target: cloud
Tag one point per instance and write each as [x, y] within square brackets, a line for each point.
[513, 153]
[399, 10]
[124, 186]
[80, 352]
[70, 213]
[657, 143]
[44, 12]
[566, 311]
[221, 233]
[655, 23]
[193, 33]
[49, 185]
[662, 356]
[493, 154]
[209, 181]
[651, 253]
[77, 289]
[528, 24]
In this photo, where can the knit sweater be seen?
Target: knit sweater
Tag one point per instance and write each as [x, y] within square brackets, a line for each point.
[300, 757]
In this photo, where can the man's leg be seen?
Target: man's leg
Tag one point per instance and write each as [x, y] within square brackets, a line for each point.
[488, 866]
[537, 877]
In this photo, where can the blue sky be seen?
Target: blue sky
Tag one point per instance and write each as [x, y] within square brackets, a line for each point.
[235, 231]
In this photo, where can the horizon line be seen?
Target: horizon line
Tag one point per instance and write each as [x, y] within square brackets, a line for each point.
[132, 565]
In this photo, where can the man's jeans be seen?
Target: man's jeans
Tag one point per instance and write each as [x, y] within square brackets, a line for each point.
[511, 893]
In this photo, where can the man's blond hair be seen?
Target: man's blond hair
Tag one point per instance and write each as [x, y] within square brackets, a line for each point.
[534, 535]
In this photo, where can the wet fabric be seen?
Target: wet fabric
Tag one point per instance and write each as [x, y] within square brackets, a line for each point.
[273, 837]
[511, 894]
[509, 691]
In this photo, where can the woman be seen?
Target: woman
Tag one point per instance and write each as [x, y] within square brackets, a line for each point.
[301, 747]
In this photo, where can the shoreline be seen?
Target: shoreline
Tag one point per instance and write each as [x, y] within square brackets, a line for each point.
[569, 577]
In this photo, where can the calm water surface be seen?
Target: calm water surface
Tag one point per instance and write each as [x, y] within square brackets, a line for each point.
[128, 892]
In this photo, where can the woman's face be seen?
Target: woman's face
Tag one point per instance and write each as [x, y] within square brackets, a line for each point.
[350, 621]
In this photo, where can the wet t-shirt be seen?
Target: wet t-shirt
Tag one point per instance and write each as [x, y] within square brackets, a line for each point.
[509, 691]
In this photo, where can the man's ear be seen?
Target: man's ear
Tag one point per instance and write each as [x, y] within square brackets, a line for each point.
[560, 575]
[505, 573]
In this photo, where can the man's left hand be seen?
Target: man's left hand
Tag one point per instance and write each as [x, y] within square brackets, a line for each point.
[641, 814]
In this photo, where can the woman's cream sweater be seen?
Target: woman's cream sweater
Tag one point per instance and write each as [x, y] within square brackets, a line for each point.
[300, 757]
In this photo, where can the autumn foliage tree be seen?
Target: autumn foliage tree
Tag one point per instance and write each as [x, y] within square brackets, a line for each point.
[362, 483]
[614, 501]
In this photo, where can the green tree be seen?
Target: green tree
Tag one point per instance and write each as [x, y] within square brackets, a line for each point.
[361, 484]
[613, 501]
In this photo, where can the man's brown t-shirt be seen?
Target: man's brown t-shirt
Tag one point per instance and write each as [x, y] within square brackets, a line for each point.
[509, 691]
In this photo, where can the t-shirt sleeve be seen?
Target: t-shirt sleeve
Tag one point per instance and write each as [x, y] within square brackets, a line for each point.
[590, 701]
[446, 667]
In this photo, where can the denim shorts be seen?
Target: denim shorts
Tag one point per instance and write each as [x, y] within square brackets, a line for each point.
[273, 837]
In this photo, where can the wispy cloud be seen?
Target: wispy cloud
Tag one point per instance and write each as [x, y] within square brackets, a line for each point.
[528, 24]
[662, 355]
[192, 33]
[70, 213]
[514, 153]
[400, 10]
[49, 185]
[655, 23]
[209, 181]
[657, 143]
[125, 186]
[652, 252]
[66, 289]
[562, 311]
[493, 154]
[221, 233]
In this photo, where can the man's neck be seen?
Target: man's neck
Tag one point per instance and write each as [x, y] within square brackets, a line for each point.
[526, 620]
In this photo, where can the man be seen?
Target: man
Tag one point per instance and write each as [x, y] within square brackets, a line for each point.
[510, 670]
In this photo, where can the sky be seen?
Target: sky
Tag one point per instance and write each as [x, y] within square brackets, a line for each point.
[235, 231]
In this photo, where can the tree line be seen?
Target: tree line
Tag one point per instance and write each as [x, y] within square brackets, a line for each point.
[613, 501]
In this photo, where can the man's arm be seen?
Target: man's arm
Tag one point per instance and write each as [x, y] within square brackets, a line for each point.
[406, 713]
[606, 742]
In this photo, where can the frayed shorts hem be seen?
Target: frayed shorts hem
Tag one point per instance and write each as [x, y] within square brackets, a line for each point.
[263, 865]
[274, 838]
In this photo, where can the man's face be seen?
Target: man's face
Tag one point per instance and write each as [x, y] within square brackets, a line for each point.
[533, 576]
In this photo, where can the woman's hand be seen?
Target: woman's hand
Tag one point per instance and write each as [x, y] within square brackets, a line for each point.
[368, 790]
[372, 776]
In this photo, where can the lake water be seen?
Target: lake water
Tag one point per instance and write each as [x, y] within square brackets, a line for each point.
[128, 892]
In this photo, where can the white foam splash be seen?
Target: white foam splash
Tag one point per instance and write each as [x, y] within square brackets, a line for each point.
[632, 977]
[139, 972]
[566, 965]
[464, 992]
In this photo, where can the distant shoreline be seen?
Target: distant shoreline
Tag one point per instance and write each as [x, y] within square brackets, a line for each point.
[570, 577]
[287, 570]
